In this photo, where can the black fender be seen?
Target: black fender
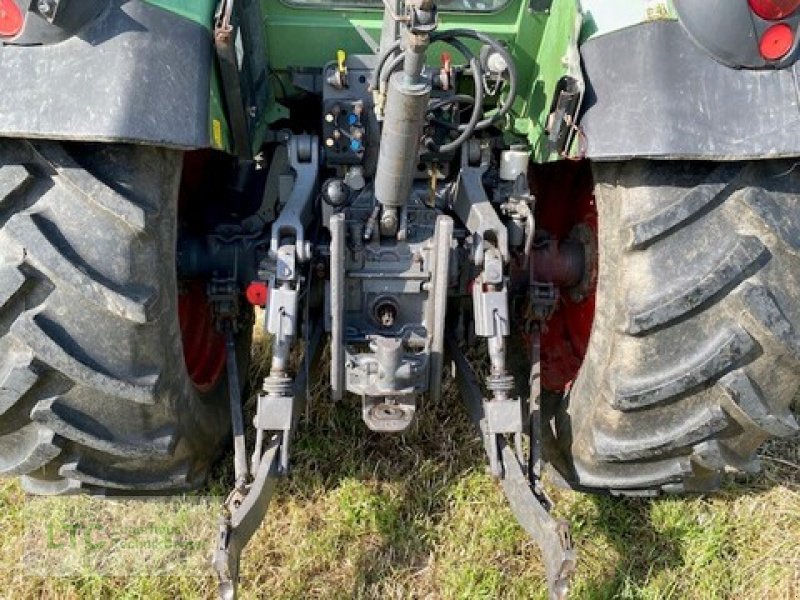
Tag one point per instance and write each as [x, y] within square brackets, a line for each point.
[653, 93]
[136, 73]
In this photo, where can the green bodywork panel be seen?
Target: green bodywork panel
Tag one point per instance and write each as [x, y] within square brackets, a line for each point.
[543, 43]
[199, 11]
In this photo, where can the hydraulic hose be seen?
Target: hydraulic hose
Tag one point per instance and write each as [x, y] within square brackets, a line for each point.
[477, 109]
[457, 99]
[513, 83]
[383, 72]
[383, 58]
[396, 63]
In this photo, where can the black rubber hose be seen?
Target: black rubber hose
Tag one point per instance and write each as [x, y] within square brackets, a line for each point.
[382, 59]
[447, 36]
[381, 75]
[477, 109]
[396, 63]
[438, 103]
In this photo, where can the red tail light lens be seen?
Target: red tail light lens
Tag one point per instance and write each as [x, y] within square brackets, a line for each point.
[774, 10]
[776, 42]
[11, 18]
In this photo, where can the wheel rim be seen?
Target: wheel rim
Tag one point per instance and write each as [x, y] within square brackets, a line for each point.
[203, 345]
[565, 206]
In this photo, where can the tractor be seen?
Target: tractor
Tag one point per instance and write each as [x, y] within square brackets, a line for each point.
[586, 212]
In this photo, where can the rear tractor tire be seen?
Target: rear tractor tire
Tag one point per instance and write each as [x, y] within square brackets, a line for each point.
[94, 390]
[694, 356]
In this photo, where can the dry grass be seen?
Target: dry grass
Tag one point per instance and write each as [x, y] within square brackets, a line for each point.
[371, 516]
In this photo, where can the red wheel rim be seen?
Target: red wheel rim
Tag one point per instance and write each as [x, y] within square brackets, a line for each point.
[565, 201]
[203, 345]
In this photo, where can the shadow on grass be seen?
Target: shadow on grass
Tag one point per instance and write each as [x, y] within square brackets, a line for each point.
[392, 490]
[638, 550]
[674, 541]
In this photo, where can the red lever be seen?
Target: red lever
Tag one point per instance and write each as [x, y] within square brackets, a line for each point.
[446, 60]
[11, 19]
[257, 293]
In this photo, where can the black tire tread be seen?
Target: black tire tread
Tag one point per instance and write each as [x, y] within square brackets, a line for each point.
[677, 301]
[694, 354]
[714, 358]
[91, 394]
[49, 257]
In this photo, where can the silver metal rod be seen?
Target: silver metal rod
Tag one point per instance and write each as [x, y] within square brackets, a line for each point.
[337, 306]
[444, 235]
[237, 422]
[404, 121]
[391, 23]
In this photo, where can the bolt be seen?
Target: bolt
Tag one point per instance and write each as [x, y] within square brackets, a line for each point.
[46, 8]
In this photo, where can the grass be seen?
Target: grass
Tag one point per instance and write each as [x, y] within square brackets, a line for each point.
[365, 515]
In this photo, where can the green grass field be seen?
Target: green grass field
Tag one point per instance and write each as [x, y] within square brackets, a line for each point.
[418, 516]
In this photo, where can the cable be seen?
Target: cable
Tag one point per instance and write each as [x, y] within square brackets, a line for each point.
[381, 75]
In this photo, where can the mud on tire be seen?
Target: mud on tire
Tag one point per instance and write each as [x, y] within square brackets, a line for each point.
[694, 357]
[94, 392]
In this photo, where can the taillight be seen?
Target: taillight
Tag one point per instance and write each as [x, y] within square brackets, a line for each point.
[774, 10]
[11, 19]
[776, 42]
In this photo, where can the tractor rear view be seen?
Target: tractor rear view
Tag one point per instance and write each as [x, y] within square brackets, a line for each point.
[587, 213]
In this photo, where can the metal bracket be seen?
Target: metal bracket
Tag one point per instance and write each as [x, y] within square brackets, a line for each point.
[562, 120]
[474, 209]
[244, 513]
[503, 416]
[490, 312]
[277, 413]
[296, 215]
[544, 298]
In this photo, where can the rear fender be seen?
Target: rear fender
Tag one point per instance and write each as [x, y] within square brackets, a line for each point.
[128, 72]
[652, 92]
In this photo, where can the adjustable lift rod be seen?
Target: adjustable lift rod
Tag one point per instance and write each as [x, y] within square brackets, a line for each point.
[527, 501]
